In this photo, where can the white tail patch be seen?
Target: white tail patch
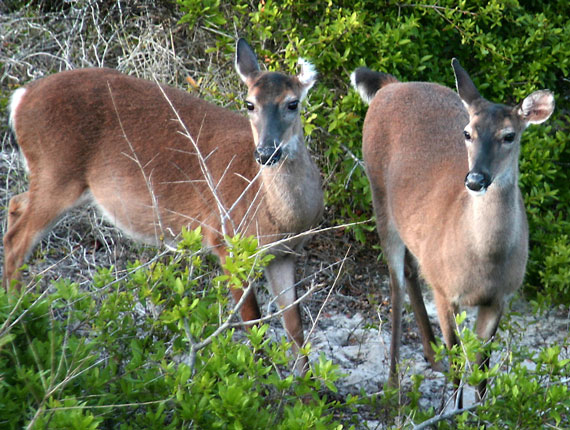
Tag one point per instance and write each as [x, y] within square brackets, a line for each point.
[14, 103]
[365, 95]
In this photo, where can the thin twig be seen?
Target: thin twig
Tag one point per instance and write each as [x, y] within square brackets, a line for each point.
[438, 8]
[443, 417]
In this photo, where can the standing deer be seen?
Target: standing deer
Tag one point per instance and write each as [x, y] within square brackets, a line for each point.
[154, 159]
[443, 169]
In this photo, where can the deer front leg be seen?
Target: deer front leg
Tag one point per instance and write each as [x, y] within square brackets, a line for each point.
[446, 312]
[486, 326]
[281, 276]
[249, 310]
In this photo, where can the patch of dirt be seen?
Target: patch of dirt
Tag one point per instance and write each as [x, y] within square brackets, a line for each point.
[349, 321]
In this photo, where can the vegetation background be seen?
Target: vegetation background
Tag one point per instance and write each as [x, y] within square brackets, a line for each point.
[111, 349]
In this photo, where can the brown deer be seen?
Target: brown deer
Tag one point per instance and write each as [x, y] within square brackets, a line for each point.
[443, 170]
[154, 159]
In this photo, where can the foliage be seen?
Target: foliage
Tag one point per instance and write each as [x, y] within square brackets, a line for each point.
[526, 390]
[531, 390]
[121, 356]
[510, 47]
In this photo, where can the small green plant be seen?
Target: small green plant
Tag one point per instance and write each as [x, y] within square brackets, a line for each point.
[526, 390]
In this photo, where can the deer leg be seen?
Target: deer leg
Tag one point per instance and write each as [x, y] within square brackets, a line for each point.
[396, 299]
[395, 254]
[488, 318]
[418, 305]
[446, 312]
[30, 214]
[249, 310]
[16, 207]
[281, 275]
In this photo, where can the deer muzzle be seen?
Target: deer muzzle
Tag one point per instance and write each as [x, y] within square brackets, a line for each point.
[477, 182]
[268, 154]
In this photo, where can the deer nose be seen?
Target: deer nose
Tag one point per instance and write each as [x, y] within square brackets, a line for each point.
[267, 155]
[477, 182]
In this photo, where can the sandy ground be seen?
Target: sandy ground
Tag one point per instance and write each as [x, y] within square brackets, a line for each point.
[353, 329]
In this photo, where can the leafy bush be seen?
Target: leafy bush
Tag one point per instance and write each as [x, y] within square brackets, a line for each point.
[510, 48]
[527, 390]
[152, 350]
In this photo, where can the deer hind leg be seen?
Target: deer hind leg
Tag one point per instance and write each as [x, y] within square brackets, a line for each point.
[16, 208]
[30, 215]
[394, 252]
[488, 318]
[446, 312]
[418, 305]
[281, 276]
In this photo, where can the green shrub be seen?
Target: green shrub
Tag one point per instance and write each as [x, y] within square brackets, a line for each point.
[150, 350]
[527, 390]
[509, 47]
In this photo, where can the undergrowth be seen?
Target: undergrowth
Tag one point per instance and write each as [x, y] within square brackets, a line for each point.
[155, 349]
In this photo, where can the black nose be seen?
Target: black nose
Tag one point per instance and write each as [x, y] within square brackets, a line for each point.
[267, 155]
[477, 182]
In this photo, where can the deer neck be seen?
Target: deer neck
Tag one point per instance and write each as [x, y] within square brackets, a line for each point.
[495, 219]
[293, 194]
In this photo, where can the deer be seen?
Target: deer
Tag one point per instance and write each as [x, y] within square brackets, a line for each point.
[154, 160]
[443, 172]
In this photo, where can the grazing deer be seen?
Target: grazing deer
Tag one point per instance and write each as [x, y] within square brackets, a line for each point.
[443, 170]
[154, 159]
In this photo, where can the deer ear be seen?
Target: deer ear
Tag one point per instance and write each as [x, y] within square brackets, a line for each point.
[537, 107]
[465, 86]
[246, 61]
[307, 76]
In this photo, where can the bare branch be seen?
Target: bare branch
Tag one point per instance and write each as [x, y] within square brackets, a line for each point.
[443, 417]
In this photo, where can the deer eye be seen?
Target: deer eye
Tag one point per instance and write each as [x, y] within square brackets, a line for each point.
[509, 137]
[249, 106]
[467, 135]
[293, 105]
